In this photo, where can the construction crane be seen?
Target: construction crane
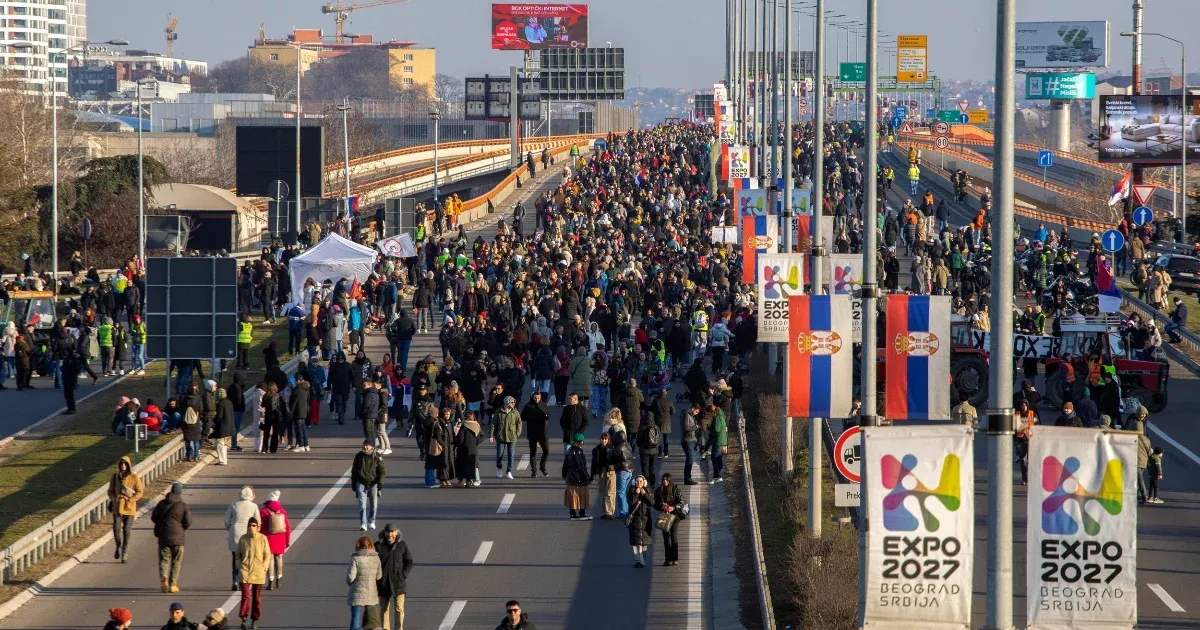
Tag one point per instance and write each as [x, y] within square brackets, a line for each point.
[172, 22]
[341, 13]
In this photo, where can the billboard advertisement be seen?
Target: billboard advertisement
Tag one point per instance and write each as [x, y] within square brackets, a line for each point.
[539, 26]
[1062, 44]
[1074, 85]
[1147, 129]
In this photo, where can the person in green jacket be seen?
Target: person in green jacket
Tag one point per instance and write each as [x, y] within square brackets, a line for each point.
[104, 339]
[718, 440]
[506, 429]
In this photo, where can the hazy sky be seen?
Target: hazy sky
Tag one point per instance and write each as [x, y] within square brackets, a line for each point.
[669, 43]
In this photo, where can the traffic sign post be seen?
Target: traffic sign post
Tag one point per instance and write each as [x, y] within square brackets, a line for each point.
[931, 113]
[851, 72]
[896, 122]
[1112, 241]
[847, 495]
[900, 111]
[1045, 160]
[964, 106]
[964, 119]
[948, 115]
[941, 128]
[1142, 215]
[847, 454]
[1143, 193]
[942, 142]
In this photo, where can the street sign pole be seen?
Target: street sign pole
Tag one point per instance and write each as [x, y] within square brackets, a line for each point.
[817, 257]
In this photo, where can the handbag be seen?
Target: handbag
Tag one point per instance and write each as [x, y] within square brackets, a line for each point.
[666, 521]
[435, 448]
[682, 509]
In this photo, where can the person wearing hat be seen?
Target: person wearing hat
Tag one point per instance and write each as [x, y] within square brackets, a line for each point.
[216, 620]
[396, 563]
[506, 429]
[275, 525]
[119, 619]
[254, 558]
[171, 518]
[576, 473]
[178, 620]
[124, 491]
[366, 478]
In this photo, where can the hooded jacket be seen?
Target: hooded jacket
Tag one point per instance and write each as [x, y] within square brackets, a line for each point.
[396, 562]
[238, 515]
[171, 518]
[254, 556]
[523, 624]
[125, 488]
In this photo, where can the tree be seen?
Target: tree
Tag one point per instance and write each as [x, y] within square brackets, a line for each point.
[360, 73]
[448, 89]
[364, 140]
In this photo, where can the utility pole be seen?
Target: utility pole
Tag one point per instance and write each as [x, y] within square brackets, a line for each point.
[294, 227]
[514, 121]
[786, 224]
[1136, 169]
[816, 260]
[1000, 415]
[774, 179]
[761, 83]
[869, 284]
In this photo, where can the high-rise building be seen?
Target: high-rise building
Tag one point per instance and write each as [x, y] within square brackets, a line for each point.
[52, 26]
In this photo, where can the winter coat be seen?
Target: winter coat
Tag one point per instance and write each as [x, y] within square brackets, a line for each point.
[641, 523]
[254, 557]
[362, 575]
[574, 419]
[466, 448]
[340, 378]
[632, 401]
[506, 425]
[581, 377]
[299, 402]
[367, 470]
[575, 468]
[281, 541]
[223, 424]
[397, 563]
[523, 624]
[535, 418]
[237, 517]
[125, 490]
[662, 410]
[171, 518]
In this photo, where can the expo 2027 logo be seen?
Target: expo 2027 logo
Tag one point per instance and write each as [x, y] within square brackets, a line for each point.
[776, 286]
[1059, 478]
[902, 483]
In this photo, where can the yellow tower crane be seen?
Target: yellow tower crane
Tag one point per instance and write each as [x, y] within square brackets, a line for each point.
[341, 13]
[172, 22]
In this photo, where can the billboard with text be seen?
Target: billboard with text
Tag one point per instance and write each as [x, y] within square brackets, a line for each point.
[539, 26]
[1148, 129]
[1062, 45]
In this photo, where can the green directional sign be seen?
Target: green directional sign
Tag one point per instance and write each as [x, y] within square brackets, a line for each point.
[948, 115]
[853, 72]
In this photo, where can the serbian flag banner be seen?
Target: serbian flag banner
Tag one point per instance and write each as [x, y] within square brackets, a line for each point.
[820, 356]
[1110, 295]
[917, 348]
[760, 235]
[1121, 190]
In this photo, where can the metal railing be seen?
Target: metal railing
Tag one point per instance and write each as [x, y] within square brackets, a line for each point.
[760, 560]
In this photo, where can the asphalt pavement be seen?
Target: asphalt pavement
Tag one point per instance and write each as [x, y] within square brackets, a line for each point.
[473, 549]
[27, 407]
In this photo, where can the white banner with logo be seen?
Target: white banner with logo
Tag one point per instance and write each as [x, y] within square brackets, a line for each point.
[779, 276]
[398, 246]
[739, 161]
[1081, 555]
[920, 503]
[844, 277]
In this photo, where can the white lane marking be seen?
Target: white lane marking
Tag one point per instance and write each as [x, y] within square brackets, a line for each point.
[1182, 449]
[451, 617]
[524, 463]
[300, 529]
[506, 503]
[695, 560]
[1166, 598]
[485, 548]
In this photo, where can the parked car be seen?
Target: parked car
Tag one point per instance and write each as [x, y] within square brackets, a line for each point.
[1184, 272]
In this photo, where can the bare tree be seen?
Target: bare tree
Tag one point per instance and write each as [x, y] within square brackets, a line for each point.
[447, 88]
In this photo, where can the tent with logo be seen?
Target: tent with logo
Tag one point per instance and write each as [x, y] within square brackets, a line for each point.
[331, 259]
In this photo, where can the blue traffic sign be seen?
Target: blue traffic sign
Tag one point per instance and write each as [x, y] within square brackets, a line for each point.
[900, 111]
[931, 112]
[896, 122]
[1142, 215]
[1112, 240]
[1045, 159]
[964, 119]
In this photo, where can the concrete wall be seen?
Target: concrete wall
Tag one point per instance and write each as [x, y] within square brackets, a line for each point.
[105, 144]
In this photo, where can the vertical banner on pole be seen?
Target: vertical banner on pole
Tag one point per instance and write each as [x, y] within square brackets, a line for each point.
[844, 277]
[917, 347]
[739, 162]
[820, 356]
[1082, 529]
[752, 202]
[779, 278]
[922, 513]
[760, 235]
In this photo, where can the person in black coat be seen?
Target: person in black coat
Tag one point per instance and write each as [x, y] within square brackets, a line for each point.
[341, 382]
[396, 562]
[536, 416]
[223, 428]
[640, 521]
[575, 418]
[668, 498]
[171, 518]
[274, 418]
[466, 450]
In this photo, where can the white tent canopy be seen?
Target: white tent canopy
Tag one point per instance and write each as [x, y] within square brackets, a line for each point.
[332, 259]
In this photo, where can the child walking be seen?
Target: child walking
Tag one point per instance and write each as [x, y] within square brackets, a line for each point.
[1154, 471]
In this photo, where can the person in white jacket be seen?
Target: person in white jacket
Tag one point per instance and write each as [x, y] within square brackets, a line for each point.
[237, 516]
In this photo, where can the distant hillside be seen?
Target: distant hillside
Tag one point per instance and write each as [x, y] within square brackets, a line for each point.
[655, 105]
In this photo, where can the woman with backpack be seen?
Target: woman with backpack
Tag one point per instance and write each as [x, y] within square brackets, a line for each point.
[278, 530]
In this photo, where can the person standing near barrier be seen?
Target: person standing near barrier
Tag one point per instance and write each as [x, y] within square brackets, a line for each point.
[124, 491]
[171, 518]
[237, 519]
[223, 429]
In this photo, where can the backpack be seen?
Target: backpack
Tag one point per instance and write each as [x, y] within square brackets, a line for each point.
[190, 416]
[276, 523]
[653, 434]
[689, 423]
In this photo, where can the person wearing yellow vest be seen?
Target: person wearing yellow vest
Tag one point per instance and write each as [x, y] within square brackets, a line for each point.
[104, 339]
[137, 336]
[243, 341]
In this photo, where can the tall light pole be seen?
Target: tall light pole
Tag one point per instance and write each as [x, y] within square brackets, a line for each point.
[295, 222]
[141, 186]
[1184, 100]
[345, 109]
[435, 116]
[1000, 415]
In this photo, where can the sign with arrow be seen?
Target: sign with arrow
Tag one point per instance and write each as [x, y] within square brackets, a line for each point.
[1143, 193]
[1112, 240]
[1142, 215]
[1045, 159]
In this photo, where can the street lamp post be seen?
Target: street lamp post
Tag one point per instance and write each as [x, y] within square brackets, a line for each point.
[295, 222]
[345, 109]
[435, 116]
[1183, 118]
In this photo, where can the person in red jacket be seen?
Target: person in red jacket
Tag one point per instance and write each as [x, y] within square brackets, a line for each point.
[151, 416]
[278, 530]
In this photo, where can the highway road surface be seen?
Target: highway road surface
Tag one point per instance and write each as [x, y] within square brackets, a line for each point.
[1168, 534]
[473, 549]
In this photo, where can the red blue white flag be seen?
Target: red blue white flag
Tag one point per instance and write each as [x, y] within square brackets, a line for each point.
[1121, 190]
[820, 356]
[1110, 295]
[760, 235]
[917, 348]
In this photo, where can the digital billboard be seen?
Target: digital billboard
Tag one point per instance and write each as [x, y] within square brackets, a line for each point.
[267, 153]
[539, 26]
[1062, 45]
[1148, 129]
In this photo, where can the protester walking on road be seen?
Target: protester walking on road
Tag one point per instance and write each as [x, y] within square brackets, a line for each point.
[575, 472]
[397, 563]
[237, 516]
[178, 619]
[639, 521]
[171, 518]
[668, 499]
[362, 575]
[466, 443]
[515, 618]
[254, 557]
[605, 474]
[366, 477]
[223, 427]
[574, 420]
[536, 416]
[275, 524]
[124, 491]
[718, 441]
[506, 430]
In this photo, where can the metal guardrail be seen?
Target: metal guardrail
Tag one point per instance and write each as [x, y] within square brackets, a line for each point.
[760, 561]
[92, 509]
[1190, 339]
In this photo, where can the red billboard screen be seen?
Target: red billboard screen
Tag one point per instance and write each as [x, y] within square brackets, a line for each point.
[538, 26]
